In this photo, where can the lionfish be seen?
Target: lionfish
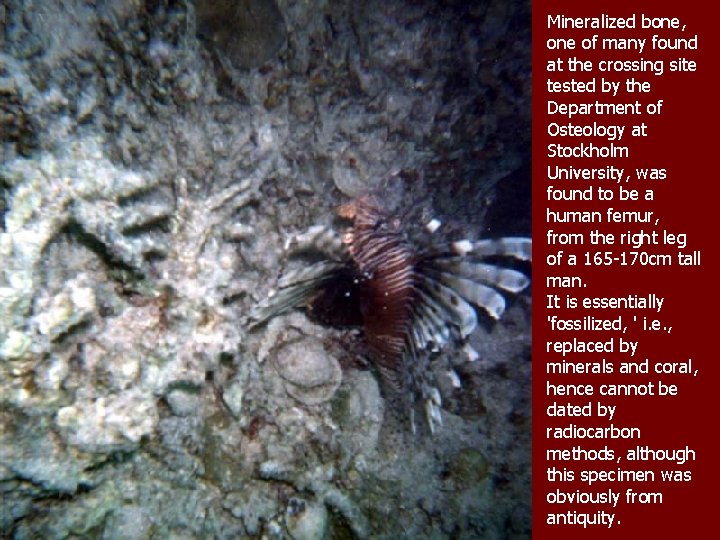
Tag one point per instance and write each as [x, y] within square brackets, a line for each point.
[409, 302]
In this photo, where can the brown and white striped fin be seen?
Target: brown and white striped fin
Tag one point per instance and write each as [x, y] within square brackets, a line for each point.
[446, 302]
[516, 247]
[421, 389]
[427, 316]
[481, 295]
[506, 279]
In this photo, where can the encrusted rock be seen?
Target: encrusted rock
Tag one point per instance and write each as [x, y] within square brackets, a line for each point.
[311, 375]
[306, 520]
[183, 402]
[350, 174]
[15, 346]
[129, 522]
[233, 396]
[358, 408]
[252, 506]
[247, 32]
[117, 421]
[468, 468]
[63, 311]
[77, 185]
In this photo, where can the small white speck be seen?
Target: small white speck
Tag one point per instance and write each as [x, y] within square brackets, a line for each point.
[265, 137]
[454, 379]
[471, 353]
[462, 247]
[432, 225]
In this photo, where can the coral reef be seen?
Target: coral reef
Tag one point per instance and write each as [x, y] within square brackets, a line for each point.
[158, 164]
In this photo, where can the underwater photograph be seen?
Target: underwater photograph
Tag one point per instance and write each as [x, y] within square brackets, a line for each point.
[265, 269]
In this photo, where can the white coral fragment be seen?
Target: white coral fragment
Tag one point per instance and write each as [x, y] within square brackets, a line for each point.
[75, 304]
[15, 346]
[108, 422]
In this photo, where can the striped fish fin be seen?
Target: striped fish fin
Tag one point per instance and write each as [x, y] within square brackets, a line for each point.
[296, 288]
[516, 247]
[430, 320]
[467, 276]
[476, 293]
[502, 278]
[320, 270]
[421, 391]
[445, 304]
